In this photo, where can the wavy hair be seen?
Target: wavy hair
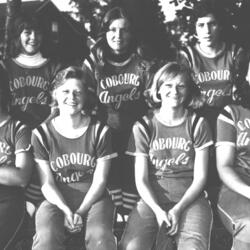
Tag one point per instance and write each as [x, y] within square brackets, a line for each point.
[74, 72]
[195, 100]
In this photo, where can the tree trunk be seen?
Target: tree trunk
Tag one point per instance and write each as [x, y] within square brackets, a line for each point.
[13, 7]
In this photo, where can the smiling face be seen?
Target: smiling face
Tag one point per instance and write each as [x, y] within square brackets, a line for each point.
[71, 97]
[31, 41]
[119, 35]
[173, 92]
[208, 30]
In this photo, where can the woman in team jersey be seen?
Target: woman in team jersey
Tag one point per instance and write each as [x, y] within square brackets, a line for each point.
[121, 76]
[218, 64]
[15, 169]
[31, 74]
[73, 152]
[233, 158]
[170, 147]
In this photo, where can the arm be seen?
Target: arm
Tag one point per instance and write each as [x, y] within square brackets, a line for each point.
[199, 180]
[19, 174]
[97, 187]
[50, 190]
[145, 190]
[225, 158]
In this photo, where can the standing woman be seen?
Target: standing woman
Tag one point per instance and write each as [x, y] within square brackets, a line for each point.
[15, 169]
[73, 153]
[30, 72]
[233, 163]
[30, 80]
[171, 162]
[218, 64]
[121, 76]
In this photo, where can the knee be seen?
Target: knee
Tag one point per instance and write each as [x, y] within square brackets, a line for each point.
[100, 238]
[132, 244]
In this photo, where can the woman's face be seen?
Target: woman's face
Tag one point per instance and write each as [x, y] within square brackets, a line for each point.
[208, 30]
[31, 41]
[119, 35]
[71, 97]
[173, 92]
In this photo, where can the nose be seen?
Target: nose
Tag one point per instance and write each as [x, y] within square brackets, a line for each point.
[174, 90]
[118, 33]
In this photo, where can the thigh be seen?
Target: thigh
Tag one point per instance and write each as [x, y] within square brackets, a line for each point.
[232, 207]
[141, 228]
[101, 215]
[195, 226]
[11, 218]
[49, 218]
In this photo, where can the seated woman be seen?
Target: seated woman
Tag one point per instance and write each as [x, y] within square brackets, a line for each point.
[171, 162]
[15, 169]
[233, 163]
[73, 153]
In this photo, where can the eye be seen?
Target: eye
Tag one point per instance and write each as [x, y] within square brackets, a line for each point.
[65, 91]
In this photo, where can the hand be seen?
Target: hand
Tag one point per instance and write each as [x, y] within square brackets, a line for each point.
[69, 221]
[173, 215]
[161, 217]
[78, 223]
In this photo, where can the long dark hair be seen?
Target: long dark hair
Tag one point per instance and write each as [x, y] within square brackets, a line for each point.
[101, 47]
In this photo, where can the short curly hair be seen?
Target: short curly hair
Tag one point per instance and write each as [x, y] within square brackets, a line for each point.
[74, 72]
[195, 100]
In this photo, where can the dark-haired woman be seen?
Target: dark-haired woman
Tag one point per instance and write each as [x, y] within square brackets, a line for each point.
[30, 81]
[121, 76]
[171, 163]
[73, 153]
[15, 169]
[233, 158]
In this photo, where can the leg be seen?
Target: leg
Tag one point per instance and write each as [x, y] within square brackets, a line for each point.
[141, 229]
[12, 211]
[129, 192]
[50, 231]
[195, 226]
[234, 211]
[99, 225]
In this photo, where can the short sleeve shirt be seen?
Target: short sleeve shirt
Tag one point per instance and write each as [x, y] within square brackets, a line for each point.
[214, 75]
[233, 128]
[72, 161]
[30, 90]
[120, 88]
[170, 149]
[14, 139]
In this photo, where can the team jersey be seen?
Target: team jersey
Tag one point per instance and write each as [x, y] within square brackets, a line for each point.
[30, 89]
[216, 75]
[14, 139]
[72, 161]
[170, 149]
[233, 128]
[120, 88]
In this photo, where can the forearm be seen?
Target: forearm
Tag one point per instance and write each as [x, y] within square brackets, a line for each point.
[95, 191]
[231, 179]
[13, 176]
[191, 194]
[147, 194]
[54, 196]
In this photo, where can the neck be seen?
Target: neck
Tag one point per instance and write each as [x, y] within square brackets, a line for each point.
[71, 121]
[172, 116]
[213, 49]
[119, 56]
